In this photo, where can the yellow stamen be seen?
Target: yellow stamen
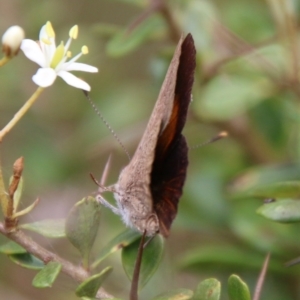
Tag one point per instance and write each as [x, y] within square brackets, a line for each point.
[49, 30]
[46, 41]
[84, 50]
[69, 54]
[73, 33]
[58, 55]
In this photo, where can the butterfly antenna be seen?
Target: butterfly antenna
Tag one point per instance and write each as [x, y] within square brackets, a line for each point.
[106, 123]
[219, 136]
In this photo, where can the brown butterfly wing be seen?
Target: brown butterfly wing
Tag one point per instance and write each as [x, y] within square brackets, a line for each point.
[137, 173]
[171, 153]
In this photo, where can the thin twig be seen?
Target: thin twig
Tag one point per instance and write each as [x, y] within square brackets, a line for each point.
[21, 112]
[4, 60]
[261, 279]
[137, 268]
[161, 7]
[292, 36]
[175, 32]
[4, 199]
[75, 272]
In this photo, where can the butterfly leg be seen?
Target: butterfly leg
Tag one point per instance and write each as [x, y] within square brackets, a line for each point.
[105, 203]
[149, 241]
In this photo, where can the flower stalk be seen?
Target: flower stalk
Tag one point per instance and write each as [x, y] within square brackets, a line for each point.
[20, 113]
[4, 60]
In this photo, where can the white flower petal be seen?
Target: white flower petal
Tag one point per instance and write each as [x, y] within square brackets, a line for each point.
[74, 81]
[43, 33]
[79, 67]
[44, 77]
[32, 51]
[47, 44]
[48, 51]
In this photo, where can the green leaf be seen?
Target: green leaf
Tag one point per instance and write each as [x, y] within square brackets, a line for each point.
[152, 256]
[257, 233]
[225, 97]
[238, 289]
[27, 261]
[12, 248]
[268, 182]
[89, 287]
[82, 226]
[282, 210]
[278, 190]
[50, 228]
[230, 258]
[122, 240]
[208, 289]
[126, 41]
[179, 294]
[47, 275]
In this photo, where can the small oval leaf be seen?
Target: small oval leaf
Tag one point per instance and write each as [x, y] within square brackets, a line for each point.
[238, 289]
[283, 210]
[82, 226]
[276, 181]
[208, 289]
[122, 240]
[27, 261]
[287, 189]
[12, 248]
[47, 275]
[89, 287]
[226, 256]
[50, 228]
[179, 294]
[152, 256]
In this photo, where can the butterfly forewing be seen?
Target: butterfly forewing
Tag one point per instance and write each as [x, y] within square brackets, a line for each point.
[151, 184]
[171, 154]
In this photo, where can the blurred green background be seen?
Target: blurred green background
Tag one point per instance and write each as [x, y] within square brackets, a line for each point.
[247, 82]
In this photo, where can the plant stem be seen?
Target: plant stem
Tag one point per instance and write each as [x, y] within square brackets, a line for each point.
[261, 278]
[4, 60]
[3, 195]
[20, 113]
[174, 29]
[75, 272]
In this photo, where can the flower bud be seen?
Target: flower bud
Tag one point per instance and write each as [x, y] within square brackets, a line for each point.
[11, 40]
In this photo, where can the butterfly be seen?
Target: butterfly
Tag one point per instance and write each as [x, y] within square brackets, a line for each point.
[149, 187]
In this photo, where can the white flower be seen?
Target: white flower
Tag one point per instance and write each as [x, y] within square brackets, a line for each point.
[11, 40]
[53, 60]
